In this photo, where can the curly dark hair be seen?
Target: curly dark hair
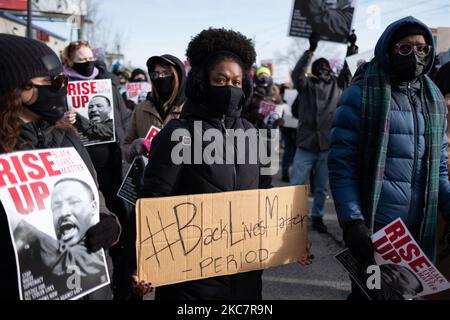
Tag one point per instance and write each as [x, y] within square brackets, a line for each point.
[209, 48]
[10, 123]
[212, 40]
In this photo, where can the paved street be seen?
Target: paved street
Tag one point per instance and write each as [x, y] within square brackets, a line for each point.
[324, 279]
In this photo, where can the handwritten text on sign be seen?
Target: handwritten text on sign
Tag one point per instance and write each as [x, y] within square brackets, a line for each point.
[199, 236]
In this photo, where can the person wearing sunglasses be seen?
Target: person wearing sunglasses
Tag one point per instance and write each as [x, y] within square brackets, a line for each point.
[164, 103]
[388, 156]
[79, 65]
[32, 104]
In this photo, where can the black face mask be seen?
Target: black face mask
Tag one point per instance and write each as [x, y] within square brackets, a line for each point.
[164, 87]
[224, 100]
[407, 68]
[50, 104]
[85, 69]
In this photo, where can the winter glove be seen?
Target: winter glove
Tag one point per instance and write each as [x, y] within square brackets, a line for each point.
[313, 41]
[356, 236]
[104, 234]
[139, 146]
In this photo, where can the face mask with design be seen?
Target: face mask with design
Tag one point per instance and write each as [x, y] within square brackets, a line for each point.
[85, 68]
[50, 104]
[224, 100]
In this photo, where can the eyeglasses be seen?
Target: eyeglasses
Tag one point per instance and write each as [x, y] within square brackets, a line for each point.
[422, 50]
[160, 74]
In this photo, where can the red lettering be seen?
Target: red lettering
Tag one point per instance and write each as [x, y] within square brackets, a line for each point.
[395, 231]
[21, 207]
[71, 89]
[403, 241]
[77, 88]
[19, 169]
[6, 172]
[40, 192]
[420, 264]
[48, 164]
[410, 252]
[94, 87]
[38, 172]
[382, 245]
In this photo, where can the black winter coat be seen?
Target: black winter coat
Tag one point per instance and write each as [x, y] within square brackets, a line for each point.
[41, 136]
[163, 178]
[316, 106]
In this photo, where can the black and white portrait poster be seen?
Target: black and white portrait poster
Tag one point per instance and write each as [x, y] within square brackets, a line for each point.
[93, 102]
[331, 19]
[51, 200]
[403, 264]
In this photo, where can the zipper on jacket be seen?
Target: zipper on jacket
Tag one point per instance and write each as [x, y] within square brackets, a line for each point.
[416, 137]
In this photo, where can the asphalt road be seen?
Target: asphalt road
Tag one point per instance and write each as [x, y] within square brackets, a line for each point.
[324, 279]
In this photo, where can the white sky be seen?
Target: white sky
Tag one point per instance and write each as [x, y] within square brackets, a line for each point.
[154, 27]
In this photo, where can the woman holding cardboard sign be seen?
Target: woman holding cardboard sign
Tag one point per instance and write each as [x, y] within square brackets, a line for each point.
[217, 88]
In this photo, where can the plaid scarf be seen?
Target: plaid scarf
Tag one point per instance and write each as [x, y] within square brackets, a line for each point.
[375, 116]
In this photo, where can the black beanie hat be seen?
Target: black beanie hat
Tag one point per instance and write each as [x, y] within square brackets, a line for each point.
[22, 59]
[408, 30]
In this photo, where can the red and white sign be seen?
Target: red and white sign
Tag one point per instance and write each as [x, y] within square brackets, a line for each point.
[403, 264]
[51, 200]
[137, 91]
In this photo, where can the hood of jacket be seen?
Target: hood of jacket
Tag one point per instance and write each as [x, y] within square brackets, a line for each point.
[382, 46]
[179, 67]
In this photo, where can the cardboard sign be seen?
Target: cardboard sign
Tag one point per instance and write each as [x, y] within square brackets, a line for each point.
[94, 103]
[191, 237]
[133, 180]
[51, 199]
[331, 19]
[137, 91]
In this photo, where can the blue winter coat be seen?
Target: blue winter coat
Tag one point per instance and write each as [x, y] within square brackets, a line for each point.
[403, 188]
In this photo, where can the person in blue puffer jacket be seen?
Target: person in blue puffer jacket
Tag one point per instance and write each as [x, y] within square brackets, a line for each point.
[388, 156]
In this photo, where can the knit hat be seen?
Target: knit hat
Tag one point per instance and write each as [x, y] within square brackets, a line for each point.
[262, 70]
[408, 30]
[22, 59]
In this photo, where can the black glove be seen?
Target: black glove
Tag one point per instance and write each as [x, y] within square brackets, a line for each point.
[356, 237]
[104, 234]
[313, 41]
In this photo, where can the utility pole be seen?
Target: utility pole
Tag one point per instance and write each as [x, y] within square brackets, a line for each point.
[29, 20]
